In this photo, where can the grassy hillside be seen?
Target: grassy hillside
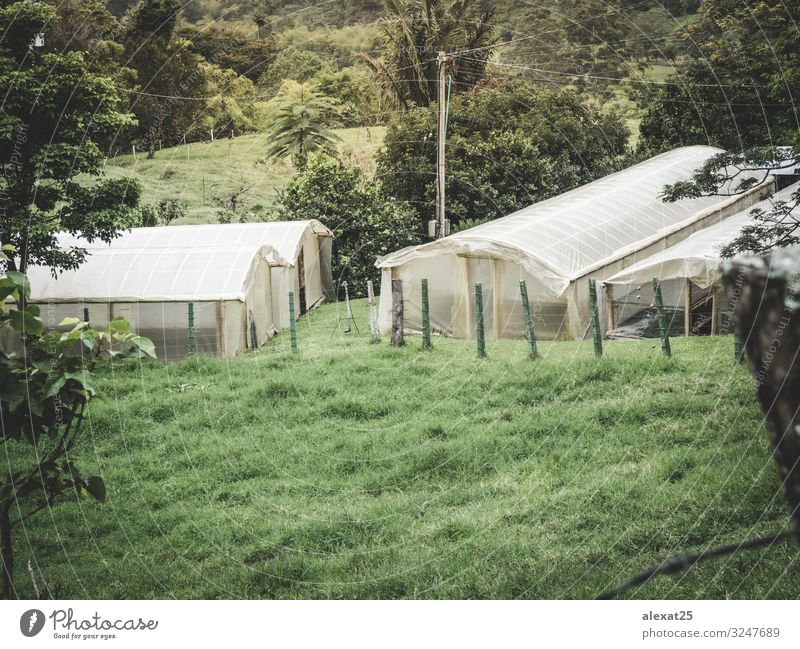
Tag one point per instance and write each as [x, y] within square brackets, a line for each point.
[201, 174]
[354, 470]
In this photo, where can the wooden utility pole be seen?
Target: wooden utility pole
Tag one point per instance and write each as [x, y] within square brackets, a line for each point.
[441, 231]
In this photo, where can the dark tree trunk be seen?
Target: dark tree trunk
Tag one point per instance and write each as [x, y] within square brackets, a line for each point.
[6, 553]
[764, 297]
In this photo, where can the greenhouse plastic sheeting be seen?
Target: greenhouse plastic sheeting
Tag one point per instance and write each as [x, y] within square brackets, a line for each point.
[589, 231]
[154, 275]
[697, 257]
[302, 263]
[285, 237]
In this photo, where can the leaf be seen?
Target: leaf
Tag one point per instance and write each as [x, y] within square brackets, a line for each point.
[55, 387]
[145, 346]
[119, 325]
[83, 379]
[96, 486]
[89, 339]
[20, 280]
[8, 287]
[26, 322]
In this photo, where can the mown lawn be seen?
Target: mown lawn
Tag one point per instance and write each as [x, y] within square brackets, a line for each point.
[354, 470]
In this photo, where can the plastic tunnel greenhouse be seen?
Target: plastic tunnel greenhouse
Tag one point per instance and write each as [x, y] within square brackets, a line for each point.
[214, 289]
[593, 231]
[305, 248]
[689, 274]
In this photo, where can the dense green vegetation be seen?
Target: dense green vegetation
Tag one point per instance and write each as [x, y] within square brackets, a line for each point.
[358, 470]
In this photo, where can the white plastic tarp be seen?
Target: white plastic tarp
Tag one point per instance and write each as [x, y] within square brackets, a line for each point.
[157, 274]
[696, 258]
[567, 236]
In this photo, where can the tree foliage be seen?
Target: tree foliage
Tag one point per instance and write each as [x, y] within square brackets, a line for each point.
[231, 48]
[300, 127]
[366, 224]
[415, 31]
[728, 174]
[55, 116]
[506, 148]
[171, 83]
[44, 393]
[737, 88]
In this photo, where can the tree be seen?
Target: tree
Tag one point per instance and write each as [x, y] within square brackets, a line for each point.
[163, 213]
[415, 31]
[44, 394]
[357, 98]
[172, 85]
[291, 64]
[231, 104]
[728, 174]
[263, 22]
[507, 147]
[366, 223]
[231, 48]
[55, 115]
[300, 127]
[737, 88]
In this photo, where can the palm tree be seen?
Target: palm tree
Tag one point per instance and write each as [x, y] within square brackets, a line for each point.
[261, 19]
[301, 127]
[414, 31]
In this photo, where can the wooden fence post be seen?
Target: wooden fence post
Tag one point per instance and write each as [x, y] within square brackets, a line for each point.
[526, 312]
[597, 335]
[191, 346]
[662, 322]
[373, 314]
[397, 313]
[426, 317]
[479, 329]
[292, 325]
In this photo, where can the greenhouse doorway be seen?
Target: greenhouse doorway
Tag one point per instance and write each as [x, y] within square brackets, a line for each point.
[700, 310]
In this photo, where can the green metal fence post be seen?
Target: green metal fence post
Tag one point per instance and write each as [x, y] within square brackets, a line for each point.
[191, 346]
[426, 317]
[738, 348]
[530, 334]
[479, 321]
[86, 316]
[292, 325]
[597, 335]
[662, 322]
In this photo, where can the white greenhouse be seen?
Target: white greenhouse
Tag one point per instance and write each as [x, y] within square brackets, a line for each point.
[593, 231]
[214, 289]
[186, 300]
[305, 248]
[689, 275]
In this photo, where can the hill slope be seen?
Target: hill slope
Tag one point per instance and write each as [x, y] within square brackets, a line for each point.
[202, 174]
[358, 471]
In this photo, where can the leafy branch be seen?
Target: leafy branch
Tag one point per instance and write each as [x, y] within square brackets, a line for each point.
[46, 384]
[733, 174]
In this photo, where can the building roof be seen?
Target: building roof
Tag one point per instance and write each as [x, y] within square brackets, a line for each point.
[697, 257]
[567, 236]
[154, 274]
[284, 237]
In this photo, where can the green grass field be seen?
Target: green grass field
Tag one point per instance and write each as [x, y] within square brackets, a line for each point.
[200, 174]
[353, 470]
